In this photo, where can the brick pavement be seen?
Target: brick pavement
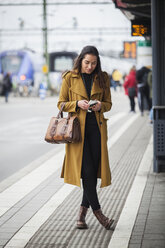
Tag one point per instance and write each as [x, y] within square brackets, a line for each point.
[149, 228]
[58, 229]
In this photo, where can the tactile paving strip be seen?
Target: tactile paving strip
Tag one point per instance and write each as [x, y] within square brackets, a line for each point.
[60, 229]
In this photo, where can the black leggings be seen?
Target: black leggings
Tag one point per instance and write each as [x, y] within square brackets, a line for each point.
[90, 164]
[144, 93]
[132, 102]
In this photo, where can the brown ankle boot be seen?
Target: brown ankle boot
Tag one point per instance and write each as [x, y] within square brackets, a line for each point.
[106, 222]
[81, 224]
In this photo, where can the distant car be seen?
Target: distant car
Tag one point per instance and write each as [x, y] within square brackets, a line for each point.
[59, 62]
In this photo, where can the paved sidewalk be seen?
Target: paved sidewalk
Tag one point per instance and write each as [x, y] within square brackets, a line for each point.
[149, 228]
[38, 210]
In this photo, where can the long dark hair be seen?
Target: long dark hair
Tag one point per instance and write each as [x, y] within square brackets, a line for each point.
[90, 50]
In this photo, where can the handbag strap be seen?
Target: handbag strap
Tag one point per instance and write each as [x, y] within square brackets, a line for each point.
[60, 114]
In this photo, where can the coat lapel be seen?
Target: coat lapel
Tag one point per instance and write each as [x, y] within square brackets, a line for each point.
[78, 86]
[95, 87]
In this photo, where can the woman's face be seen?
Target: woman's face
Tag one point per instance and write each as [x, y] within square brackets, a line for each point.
[88, 64]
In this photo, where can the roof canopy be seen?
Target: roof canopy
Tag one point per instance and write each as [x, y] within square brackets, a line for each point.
[134, 9]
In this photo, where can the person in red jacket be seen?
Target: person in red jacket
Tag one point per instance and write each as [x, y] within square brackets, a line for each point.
[130, 87]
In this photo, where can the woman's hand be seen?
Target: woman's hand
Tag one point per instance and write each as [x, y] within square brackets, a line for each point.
[97, 107]
[83, 104]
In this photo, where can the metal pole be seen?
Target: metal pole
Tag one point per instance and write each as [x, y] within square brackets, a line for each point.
[45, 38]
[158, 47]
[154, 75]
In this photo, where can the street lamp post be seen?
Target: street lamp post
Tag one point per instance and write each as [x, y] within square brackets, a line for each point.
[2, 14]
[45, 42]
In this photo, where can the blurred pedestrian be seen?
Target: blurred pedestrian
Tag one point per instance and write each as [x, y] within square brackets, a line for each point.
[143, 88]
[149, 79]
[89, 158]
[7, 86]
[116, 76]
[1, 83]
[112, 82]
[130, 87]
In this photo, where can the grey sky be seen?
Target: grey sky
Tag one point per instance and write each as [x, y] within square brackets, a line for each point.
[63, 16]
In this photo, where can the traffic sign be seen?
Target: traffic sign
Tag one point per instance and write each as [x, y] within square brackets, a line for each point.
[45, 69]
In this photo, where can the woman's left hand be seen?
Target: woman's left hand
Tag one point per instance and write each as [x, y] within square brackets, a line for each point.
[97, 107]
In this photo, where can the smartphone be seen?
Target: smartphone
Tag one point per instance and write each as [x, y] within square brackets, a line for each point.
[92, 103]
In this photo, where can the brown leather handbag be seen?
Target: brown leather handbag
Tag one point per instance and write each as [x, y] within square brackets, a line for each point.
[63, 130]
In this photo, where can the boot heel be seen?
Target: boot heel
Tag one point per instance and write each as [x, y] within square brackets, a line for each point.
[81, 224]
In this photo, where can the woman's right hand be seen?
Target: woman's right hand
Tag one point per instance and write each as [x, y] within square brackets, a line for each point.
[83, 104]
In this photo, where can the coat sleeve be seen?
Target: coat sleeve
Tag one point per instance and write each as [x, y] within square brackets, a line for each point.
[70, 106]
[106, 103]
[126, 82]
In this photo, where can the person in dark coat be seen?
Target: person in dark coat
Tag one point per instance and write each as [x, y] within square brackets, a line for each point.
[7, 86]
[143, 88]
[149, 79]
[130, 87]
[1, 83]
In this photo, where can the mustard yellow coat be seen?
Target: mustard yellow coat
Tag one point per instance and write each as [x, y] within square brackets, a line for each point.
[72, 90]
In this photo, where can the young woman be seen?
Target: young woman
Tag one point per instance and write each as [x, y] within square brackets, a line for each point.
[87, 159]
